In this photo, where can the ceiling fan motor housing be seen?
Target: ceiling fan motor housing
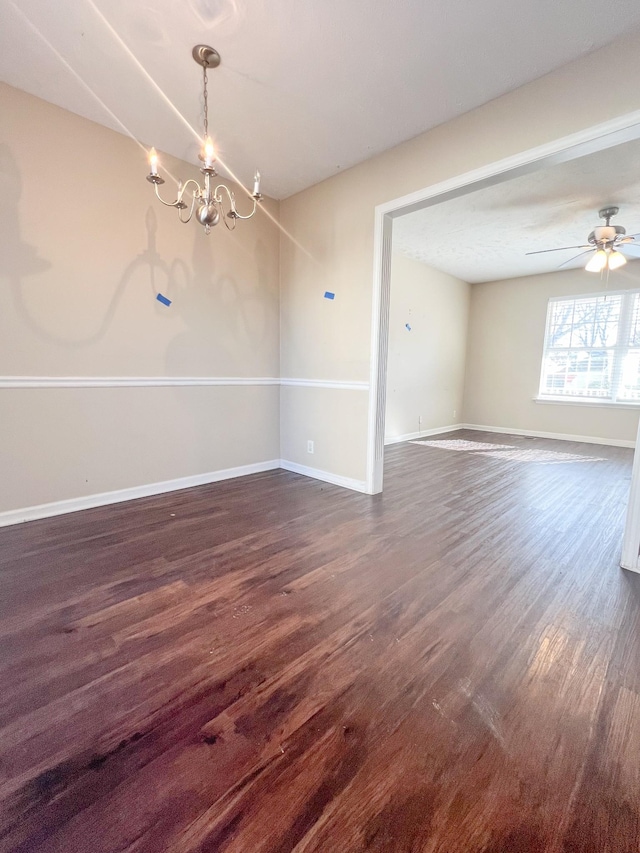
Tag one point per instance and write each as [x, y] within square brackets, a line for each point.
[605, 234]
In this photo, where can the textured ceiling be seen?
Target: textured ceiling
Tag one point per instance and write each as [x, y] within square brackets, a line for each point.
[484, 235]
[305, 88]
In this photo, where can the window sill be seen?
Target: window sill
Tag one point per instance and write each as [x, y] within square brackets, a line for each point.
[568, 401]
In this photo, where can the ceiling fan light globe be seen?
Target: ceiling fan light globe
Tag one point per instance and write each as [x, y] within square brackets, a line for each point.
[616, 260]
[597, 262]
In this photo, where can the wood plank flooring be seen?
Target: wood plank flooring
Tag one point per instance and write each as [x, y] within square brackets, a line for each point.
[273, 664]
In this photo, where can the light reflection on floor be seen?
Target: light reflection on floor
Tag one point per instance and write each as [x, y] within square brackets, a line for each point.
[507, 451]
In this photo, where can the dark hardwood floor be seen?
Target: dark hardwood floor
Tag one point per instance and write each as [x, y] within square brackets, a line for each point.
[274, 664]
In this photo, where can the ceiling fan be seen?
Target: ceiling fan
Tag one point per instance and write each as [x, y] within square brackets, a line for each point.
[605, 245]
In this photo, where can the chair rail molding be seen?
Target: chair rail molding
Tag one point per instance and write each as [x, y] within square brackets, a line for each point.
[171, 381]
[129, 381]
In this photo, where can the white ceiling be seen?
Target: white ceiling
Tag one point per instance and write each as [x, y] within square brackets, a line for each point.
[484, 236]
[305, 88]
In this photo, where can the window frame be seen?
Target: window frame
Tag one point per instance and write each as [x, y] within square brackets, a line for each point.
[618, 351]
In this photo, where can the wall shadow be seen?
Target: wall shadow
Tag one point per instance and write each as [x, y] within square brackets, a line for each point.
[19, 259]
[227, 316]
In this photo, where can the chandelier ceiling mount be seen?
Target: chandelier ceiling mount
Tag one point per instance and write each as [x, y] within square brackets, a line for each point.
[206, 56]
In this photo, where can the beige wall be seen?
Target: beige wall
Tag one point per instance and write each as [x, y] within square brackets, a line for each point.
[425, 373]
[63, 443]
[85, 249]
[309, 416]
[331, 225]
[504, 356]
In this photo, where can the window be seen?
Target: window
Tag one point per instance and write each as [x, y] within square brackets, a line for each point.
[592, 348]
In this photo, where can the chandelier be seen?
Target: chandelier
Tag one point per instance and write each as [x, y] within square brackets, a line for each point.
[209, 204]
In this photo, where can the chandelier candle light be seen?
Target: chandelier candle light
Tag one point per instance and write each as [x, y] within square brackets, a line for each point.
[210, 205]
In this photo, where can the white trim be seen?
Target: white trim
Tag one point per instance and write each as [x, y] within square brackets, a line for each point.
[15, 516]
[581, 401]
[48, 510]
[129, 381]
[169, 381]
[326, 383]
[325, 476]
[597, 138]
[630, 558]
[383, 229]
[63, 507]
[615, 131]
[410, 436]
[594, 294]
[586, 439]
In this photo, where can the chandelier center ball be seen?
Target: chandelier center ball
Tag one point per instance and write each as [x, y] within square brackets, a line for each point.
[207, 214]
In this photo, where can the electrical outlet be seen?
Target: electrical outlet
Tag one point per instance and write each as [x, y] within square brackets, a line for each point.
[455, 413]
[310, 447]
[419, 419]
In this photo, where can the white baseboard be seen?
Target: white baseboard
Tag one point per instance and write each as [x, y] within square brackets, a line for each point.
[48, 510]
[325, 476]
[561, 436]
[411, 436]
[15, 516]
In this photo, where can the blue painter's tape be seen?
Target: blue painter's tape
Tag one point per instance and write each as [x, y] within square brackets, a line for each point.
[329, 295]
[163, 299]
[407, 327]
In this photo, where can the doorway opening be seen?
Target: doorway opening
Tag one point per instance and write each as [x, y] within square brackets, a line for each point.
[564, 151]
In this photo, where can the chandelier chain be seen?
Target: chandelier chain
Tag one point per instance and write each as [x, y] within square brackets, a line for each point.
[206, 104]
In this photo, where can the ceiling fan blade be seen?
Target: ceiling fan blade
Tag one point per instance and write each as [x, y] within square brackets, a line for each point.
[560, 249]
[629, 247]
[579, 255]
